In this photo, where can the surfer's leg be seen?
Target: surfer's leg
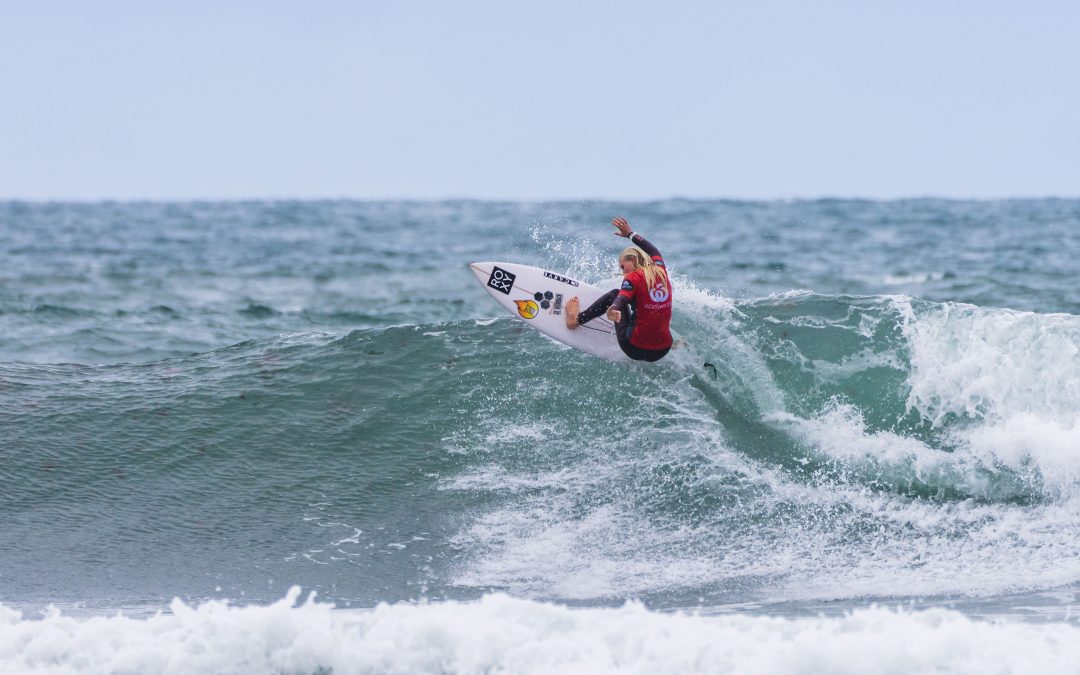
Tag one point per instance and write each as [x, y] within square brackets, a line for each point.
[623, 330]
[597, 308]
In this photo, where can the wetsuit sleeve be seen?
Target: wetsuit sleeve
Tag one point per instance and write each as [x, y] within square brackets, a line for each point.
[646, 246]
[599, 307]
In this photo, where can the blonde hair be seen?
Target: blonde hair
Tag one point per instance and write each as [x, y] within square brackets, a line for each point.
[644, 263]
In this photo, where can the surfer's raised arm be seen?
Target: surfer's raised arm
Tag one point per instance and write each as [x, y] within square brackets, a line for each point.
[624, 231]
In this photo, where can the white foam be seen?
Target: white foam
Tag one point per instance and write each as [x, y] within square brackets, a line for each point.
[1028, 444]
[500, 634]
[690, 295]
[1009, 381]
[984, 363]
[839, 434]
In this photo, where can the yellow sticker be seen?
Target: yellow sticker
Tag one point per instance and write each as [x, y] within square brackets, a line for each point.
[527, 308]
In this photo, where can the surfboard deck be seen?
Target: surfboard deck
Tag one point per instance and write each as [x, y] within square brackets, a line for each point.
[538, 297]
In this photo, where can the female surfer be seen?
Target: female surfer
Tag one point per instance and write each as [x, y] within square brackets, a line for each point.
[641, 308]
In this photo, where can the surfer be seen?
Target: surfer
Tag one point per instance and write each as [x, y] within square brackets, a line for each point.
[641, 307]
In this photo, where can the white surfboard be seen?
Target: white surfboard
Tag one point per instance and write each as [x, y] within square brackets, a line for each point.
[538, 297]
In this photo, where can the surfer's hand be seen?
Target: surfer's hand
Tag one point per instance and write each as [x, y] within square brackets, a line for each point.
[614, 315]
[622, 225]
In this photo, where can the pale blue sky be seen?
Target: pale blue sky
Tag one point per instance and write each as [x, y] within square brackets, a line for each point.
[538, 100]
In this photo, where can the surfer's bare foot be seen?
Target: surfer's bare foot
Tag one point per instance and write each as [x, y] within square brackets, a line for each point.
[572, 306]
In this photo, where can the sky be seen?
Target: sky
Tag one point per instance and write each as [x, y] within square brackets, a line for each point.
[538, 100]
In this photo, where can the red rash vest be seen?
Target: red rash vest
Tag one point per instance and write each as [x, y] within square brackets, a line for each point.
[652, 307]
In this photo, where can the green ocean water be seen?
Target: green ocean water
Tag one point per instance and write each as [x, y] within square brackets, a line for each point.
[220, 400]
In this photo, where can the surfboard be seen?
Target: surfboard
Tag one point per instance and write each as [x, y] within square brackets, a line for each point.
[538, 297]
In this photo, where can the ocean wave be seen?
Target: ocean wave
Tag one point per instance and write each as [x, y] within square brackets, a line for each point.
[839, 447]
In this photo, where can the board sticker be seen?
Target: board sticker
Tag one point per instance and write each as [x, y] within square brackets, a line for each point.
[544, 299]
[561, 278]
[527, 309]
[501, 280]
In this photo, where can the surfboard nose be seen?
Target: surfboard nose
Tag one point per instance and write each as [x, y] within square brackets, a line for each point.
[481, 270]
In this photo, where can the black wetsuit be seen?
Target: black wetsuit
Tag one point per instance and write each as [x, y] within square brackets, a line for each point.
[624, 327]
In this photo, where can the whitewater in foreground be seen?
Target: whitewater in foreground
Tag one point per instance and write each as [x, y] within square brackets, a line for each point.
[499, 634]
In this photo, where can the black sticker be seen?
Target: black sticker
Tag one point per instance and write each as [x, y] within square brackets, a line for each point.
[558, 304]
[501, 280]
[556, 277]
